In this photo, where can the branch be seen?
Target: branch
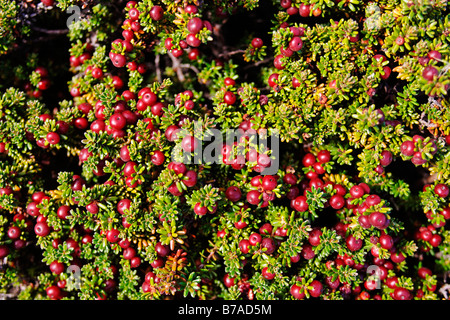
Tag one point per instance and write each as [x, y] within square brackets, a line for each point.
[176, 66]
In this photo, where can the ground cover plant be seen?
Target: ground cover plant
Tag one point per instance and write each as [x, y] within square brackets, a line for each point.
[219, 149]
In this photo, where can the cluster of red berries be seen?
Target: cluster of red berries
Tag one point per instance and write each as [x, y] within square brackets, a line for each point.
[413, 149]
[42, 85]
[192, 40]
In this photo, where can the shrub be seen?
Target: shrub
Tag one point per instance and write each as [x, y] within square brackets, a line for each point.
[120, 177]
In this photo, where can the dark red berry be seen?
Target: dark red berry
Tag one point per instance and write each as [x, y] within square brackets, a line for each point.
[41, 229]
[233, 193]
[377, 219]
[269, 182]
[442, 190]
[266, 274]
[314, 237]
[308, 160]
[316, 289]
[156, 13]
[253, 197]
[386, 241]
[297, 292]
[53, 138]
[300, 204]
[229, 98]
[158, 158]
[295, 44]
[337, 202]
[244, 246]
[257, 43]
[112, 235]
[200, 210]
[429, 73]
[254, 239]
[353, 244]
[356, 191]
[194, 25]
[269, 244]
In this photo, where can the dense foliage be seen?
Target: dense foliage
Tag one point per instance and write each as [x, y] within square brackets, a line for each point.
[346, 99]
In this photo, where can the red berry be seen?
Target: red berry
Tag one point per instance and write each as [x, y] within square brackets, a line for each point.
[386, 158]
[308, 160]
[129, 169]
[161, 249]
[253, 197]
[228, 281]
[386, 241]
[442, 190]
[63, 212]
[240, 224]
[189, 143]
[171, 132]
[112, 235]
[423, 272]
[407, 148]
[117, 121]
[434, 55]
[353, 244]
[194, 25]
[377, 219]
[158, 158]
[200, 210]
[269, 182]
[92, 207]
[41, 229]
[385, 73]
[300, 204]
[233, 193]
[269, 244]
[254, 239]
[56, 267]
[317, 288]
[193, 41]
[324, 156]
[304, 10]
[402, 294]
[273, 79]
[244, 246]
[297, 292]
[266, 229]
[53, 138]
[53, 292]
[4, 251]
[337, 202]
[191, 180]
[400, 40]
[429, 73]
[314, 237]
[435, 240]
[13, 232]
[156, 13]
[285, 3]
[118, 60]
[295, 44]
[356, 191]
[229, 98]
[266, 274]
[257, 43]
[129, 253]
